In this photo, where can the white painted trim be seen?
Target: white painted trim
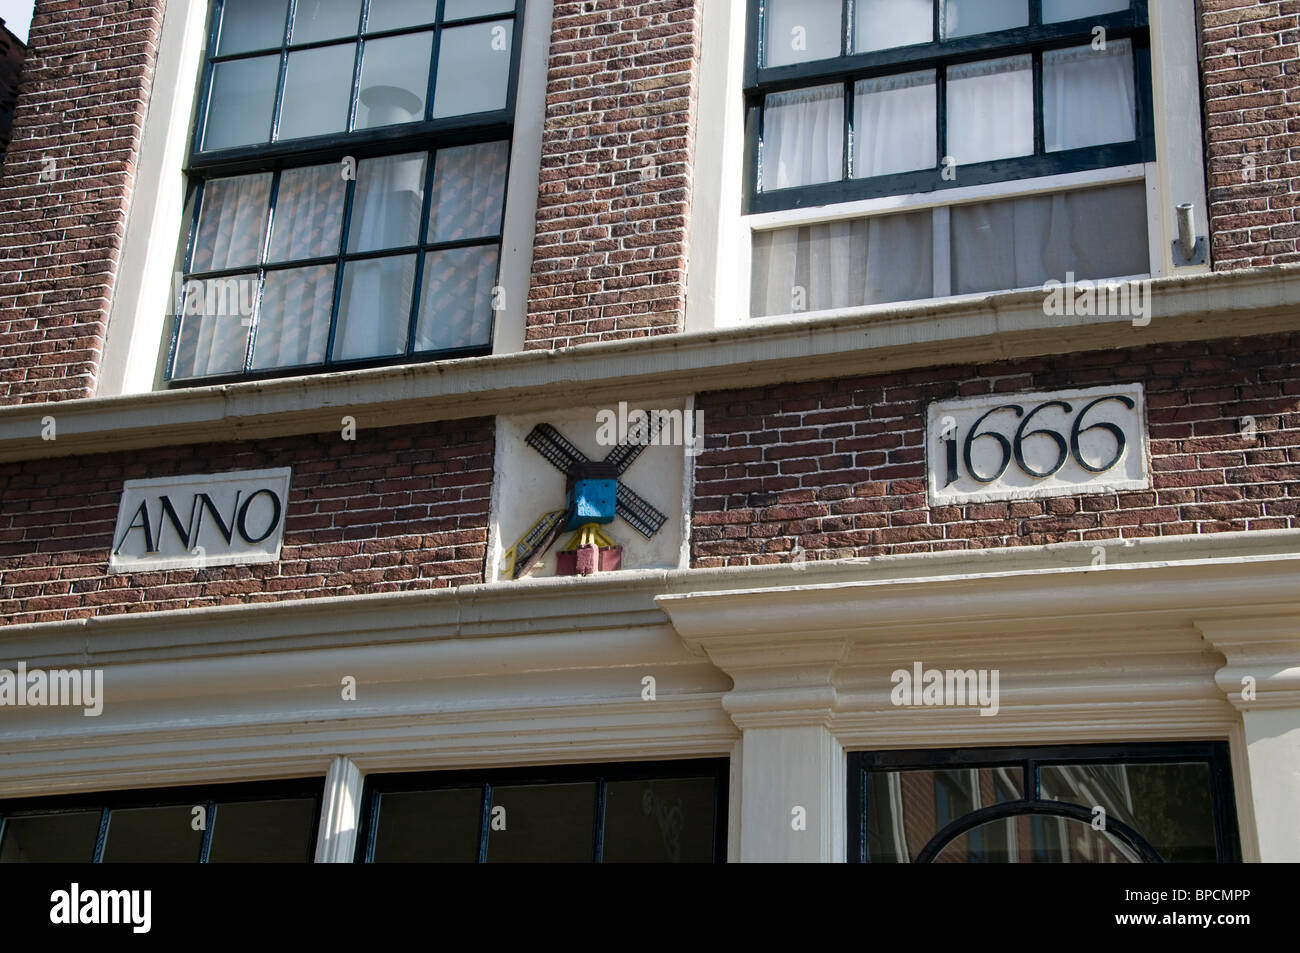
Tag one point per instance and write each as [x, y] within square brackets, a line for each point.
[340, 816]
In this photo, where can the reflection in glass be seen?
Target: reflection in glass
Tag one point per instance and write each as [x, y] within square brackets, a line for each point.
[1037, 839]
[389, 198]
[293, 322]
[317, 86]
[232, 222]
[462, 9]
[241, 102]
[375, 310]
[662, 821]
[885, 24]
[905, 809]
[1056, 11]
[394, 80]
[50, 838]
[315, 20]
[266, 832]
[544, 822]
[251, 25]
[473, 68]
[153, 834]
[308, 213]
[802, 30]
[468, 189]
[456, 303]
[395, 14]
[213, 336]
[429, 826]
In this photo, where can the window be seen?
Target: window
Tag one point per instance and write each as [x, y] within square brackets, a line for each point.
[246, 823]
[1169, 803]
[348, 176]
[1016, 130]
[664, 812]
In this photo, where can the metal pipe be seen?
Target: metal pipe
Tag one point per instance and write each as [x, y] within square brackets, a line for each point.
[1187, 230]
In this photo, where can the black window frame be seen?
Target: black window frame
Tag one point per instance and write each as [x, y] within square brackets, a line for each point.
[601, 774]
[849, 68]
[427, 136]
[203, 795]
[1029, 758]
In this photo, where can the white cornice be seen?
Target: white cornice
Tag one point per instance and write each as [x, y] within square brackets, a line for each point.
[967, 330]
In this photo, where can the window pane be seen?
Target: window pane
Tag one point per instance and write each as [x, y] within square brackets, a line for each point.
[375, 310]
[394, 80]
[456, 302]
[473, 68]
[232, 223]
[1168, 804]
[803, 137]
[266, 832]
[968, 17]
[1088, 96]
[317, 87]
[241, 102]
[308, 213]
[251, 25]
[214, 328]
[153, 834]
[50, 838]
[469, 185]
[293, 322]
[991, 110]
[429, 826]
[388, 201]
[395, 14]
[315, 20]
[1021, 243]
[665, 821]
[905, 809]
[843, 264]
[802, 30]
[545, 822]
[460, 9]
[1056, 11]
[895, 124]
[885, 24]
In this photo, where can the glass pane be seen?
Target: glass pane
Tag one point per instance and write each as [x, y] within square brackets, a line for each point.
[968, 17]
[469, 185]
[265, 832]
[1056, 11]
[802, 30]
[843, 264]
[1170, 805]
[551, 823]
[473, 68]
[317, 87]
[1089, 96]
[803, 137]
[895, 124]
[388, 201]
[991, 110]
[456, 302]
[241, 102]
[50, 838]
[153, 834]
[1021, 243]
[315, 20]
[293, 322]
[375, 310]
[214, 328]
[885, 24]
[308, 219]
[394, 80]
[460, 9]
[251, 25]
[429, 826]
[395, 14]
[665, 821]
[1037, 839]
[232, 223]
[905, 809]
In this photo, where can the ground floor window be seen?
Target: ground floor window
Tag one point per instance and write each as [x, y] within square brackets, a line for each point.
[1130, 803]
[667, 811]
[245, 823]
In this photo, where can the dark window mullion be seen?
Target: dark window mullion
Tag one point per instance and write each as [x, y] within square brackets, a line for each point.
[101, 837]
[284, 71]
[1040, 146]
[348, 202]
[421, 239]
[598, 834]
[355, 95]
[433, 63]
[847, 163]
[485, 821]
[263, 253]
[210, 820]
[1035, 12]
[941, 113]
[846, 28]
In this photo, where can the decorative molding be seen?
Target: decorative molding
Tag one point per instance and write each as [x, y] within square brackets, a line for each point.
[1263, 648]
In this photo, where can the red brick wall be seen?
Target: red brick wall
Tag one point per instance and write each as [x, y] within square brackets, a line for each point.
[838, 466]
[1251, 61]
[84, 90]
[609, 258]
[399, 508]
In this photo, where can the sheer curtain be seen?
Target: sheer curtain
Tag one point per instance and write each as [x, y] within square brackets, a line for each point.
[895, 124]
[1089, 96]
[803, 137]
[991, 109]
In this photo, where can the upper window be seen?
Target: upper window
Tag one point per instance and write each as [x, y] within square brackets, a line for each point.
[348, 178]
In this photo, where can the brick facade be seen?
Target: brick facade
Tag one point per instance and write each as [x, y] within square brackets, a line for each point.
[838, 467]
[1251, 62]
[66, 190]
[609, 258]
[398, 508]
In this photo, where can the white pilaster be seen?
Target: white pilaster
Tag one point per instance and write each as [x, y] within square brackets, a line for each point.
[336, 842]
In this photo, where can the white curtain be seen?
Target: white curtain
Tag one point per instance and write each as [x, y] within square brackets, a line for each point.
[308, 213]
[885, 24]
[468, 188]
[1089, 96]
[293, 320]
[894, 124]
[803, 137]
[991, 110]
[842, 264]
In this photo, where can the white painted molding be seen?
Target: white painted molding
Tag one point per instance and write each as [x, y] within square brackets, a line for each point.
[1265, 649]
[340, 818]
